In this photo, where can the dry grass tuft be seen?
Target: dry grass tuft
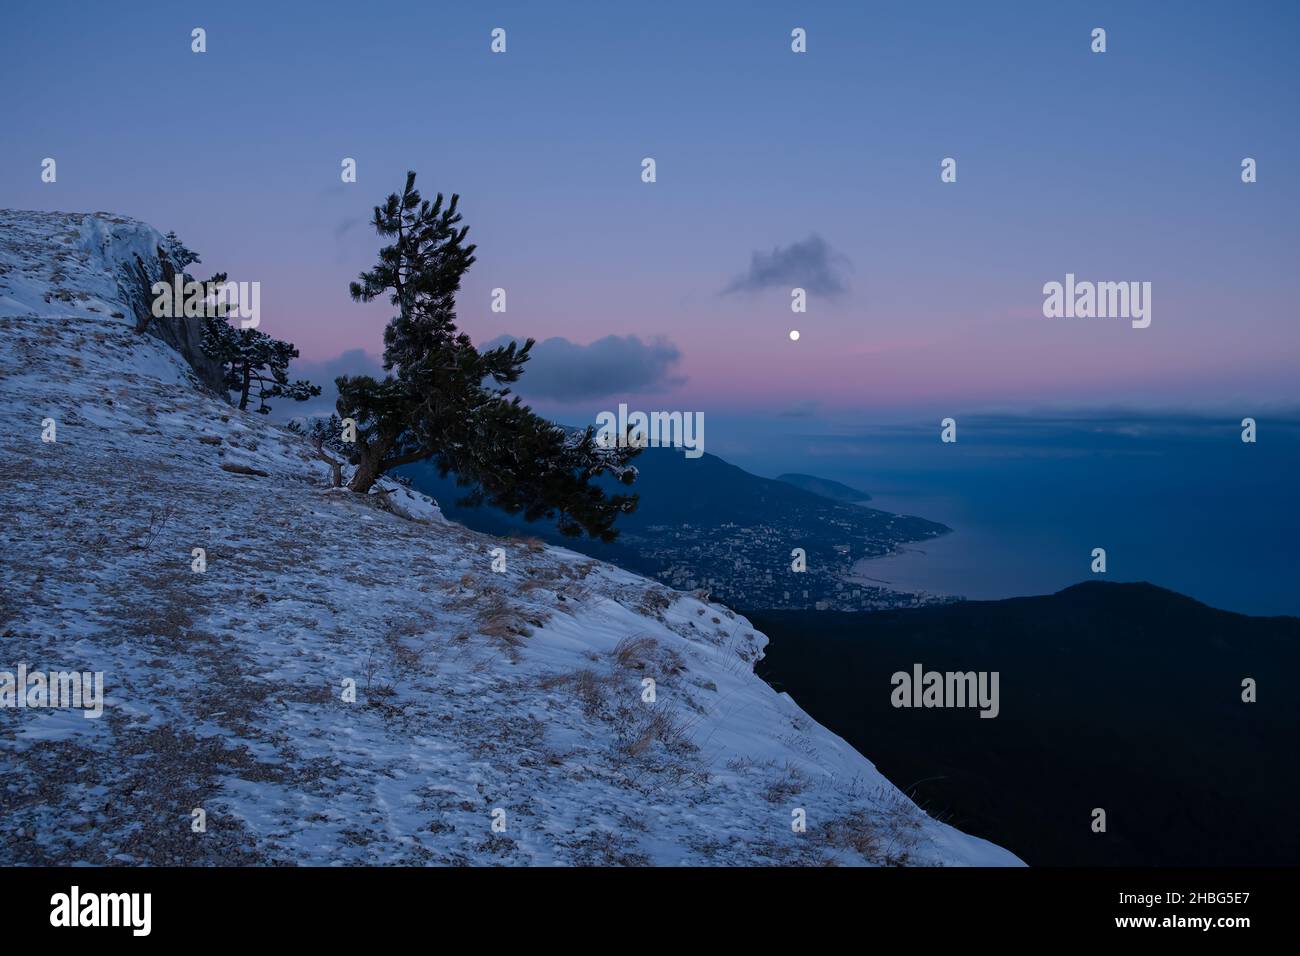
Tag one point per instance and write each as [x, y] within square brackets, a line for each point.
[642, 728]
[887, 835]
[789, 784]
[633, 653]
[586, 686]
[655, 601]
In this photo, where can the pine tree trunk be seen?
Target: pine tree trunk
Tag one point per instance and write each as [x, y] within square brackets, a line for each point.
[367, 474]
[336, 466]
[243, 398]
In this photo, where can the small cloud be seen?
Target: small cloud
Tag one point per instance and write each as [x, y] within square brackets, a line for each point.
[351, 362]
[615, 365]
[811, 264]
[323, 372]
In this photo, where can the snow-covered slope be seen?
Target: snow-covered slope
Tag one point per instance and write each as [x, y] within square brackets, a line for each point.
[477, 691]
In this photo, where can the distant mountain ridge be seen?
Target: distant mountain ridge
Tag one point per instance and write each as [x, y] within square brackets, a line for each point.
[825, 487]
[706, 523]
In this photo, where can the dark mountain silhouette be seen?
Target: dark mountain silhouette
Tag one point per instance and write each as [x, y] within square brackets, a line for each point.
[703, 522]
[1126, 697]
[709, 491]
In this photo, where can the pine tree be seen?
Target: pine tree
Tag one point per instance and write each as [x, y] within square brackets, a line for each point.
[180, 255]
[445, 400]
[253, 359]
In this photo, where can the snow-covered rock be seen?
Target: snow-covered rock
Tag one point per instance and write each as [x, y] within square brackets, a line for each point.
[52, 264]
[515, 697]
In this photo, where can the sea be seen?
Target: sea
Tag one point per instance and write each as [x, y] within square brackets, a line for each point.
[1178, 501]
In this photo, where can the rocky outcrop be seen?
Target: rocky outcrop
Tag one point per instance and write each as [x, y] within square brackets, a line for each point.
[99, 267]
[183, 334]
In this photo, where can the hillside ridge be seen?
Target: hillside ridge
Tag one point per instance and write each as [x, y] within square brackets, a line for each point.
[515, 698]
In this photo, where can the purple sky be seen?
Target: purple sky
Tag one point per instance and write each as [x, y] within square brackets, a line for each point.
[1116, 166]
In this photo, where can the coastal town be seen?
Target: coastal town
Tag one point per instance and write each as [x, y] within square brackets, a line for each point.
[753, 567]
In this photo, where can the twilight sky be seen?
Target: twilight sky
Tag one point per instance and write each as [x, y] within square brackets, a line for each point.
[774, 169]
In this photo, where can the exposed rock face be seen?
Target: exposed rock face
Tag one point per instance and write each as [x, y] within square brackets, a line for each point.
[183, 334]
